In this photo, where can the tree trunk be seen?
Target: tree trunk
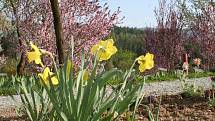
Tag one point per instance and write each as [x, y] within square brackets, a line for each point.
[58, 30]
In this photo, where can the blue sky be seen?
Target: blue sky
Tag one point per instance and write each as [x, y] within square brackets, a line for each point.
[138, 13]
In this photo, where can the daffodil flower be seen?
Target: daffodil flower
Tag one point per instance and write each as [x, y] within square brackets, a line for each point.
[35, 55]
[104, 49]
[85, 75]
[146, 62]
[45, 76]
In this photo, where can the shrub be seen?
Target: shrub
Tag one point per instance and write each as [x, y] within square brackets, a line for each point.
[123, 59]
[166, 40]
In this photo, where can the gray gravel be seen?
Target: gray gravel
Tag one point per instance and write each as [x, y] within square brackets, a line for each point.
[174, 87]
[8, 102]
[156, 88]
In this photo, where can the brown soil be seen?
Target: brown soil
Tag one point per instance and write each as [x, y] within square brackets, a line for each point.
[10, 115]
[176, 108]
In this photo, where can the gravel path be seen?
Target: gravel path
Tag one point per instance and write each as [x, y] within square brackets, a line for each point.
[156, 88]
[8, 102]
[174, 87]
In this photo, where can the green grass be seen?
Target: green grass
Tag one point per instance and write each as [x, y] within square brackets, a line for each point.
[173, 76]
[7, 91]
[7, 86]
[201, 74]
[159, 77]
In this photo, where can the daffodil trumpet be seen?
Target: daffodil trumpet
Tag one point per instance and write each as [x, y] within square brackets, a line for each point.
[104, 49]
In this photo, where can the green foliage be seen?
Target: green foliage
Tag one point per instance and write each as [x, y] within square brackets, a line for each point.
[201, 74]
[89, 101]
[123, 59]
[192, 91]
[7, 88]
[193, 50]
[129, 39]
[150, 113]
[212, 102]
[116, 79]
[36, 104]
[8, 91]
[76, 100]
[170, 76]
[5, 81]
[165, 76]
[6, 85]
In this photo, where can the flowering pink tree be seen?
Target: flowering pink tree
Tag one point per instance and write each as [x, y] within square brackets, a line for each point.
[166, 40]
[200, 20]
[83, 21]
[205, 32]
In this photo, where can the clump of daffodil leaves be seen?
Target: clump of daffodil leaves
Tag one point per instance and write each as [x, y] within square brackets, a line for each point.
[81, 95]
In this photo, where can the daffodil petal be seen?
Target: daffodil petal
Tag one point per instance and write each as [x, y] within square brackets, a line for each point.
[54, 80]
[31, 56]
[34, 55]
[105, 56]
[146, 62]
[110, 42]
[45, 76]
[142, 68]
[112, 50]
[104, 49]
[39, 61]
[46, 72]
[94, 49]
[140, 59]
[149, 56]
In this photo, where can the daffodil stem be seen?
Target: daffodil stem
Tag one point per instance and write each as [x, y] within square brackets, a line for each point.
[129, 73]
[124, 84]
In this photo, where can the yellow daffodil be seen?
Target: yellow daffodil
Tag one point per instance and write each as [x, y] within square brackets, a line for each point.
[104, 49]
[85, 75]
[146, 62]
[35, 55]
[45, 76]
